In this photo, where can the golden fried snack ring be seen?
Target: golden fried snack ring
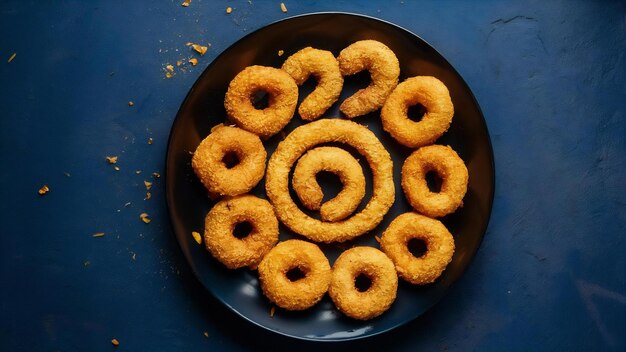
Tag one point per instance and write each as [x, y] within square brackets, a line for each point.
[439, 247]
[384, 70]
[369, 302]
[220, 223]
[304, 257]
[449, 167]
[433, 95]
[283, 98]
[339, 162]
[324, 67]
[209, 164]
[323, 131]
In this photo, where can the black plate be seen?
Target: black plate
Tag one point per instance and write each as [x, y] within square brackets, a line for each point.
[204, 108]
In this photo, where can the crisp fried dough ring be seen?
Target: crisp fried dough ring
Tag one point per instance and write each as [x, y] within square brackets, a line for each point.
[210, 167]
[324, 67]
[324, 131]
[339, 162]
[283, 98]
[298, 255]
[220, 223]
[448, 166]
[433, 95]
[439, 247]
[375, 266]
[384, 70]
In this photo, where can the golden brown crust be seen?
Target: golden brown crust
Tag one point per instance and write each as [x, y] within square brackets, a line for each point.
[300, 294]
[283, 97]
[220, 223]
[384, 70]
[324, 67]
[433, 95]
[448, 166]
[439, 247]
[378, 268]
[209, 166]
[339, 162]
[324, 131]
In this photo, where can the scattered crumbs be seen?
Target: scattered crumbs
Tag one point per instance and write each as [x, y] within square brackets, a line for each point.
[168, 75]
[170, 68]
[130, 103]
[67, 174]
[116, 168]
[283, 8]
[134, 255]
[148, 196]
[206, 334]
[186, 3]
[138, 172]
[193, 61]
[111, 159]
[197, 237]
[127, 204]
[99, 234]
[86, 263]
[43, 190]
[281, 52]
[144, 217]
[148, 185]
[156, 175]
[201, 49]
[115, 342]
[150, 140]
[272, 311]
[11, 57]
[229, 9]
[377, 239]
[179, 62]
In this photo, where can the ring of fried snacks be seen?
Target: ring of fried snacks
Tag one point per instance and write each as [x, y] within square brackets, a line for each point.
[283, 98]
[444, 161]
[439, 247]
[325, 131]
[384, 70]
[219, 228]
[210, 161]
[372, 265]
[324, 67]
[433, 95]
[311, 267]
[342, 164]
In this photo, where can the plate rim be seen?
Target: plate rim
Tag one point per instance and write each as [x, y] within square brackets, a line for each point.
[169, 196]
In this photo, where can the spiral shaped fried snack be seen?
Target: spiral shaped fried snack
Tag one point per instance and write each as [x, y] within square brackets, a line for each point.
[324, 67]
[439, 247]
[209, 161]
[433, 95]
[449, 167]
[306, 137]
[219, 227]
[384, 70]
[297, 291]
[381, 283]
[339, 162]
[283, 98]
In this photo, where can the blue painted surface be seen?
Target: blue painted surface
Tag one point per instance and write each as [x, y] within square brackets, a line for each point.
[550, 78]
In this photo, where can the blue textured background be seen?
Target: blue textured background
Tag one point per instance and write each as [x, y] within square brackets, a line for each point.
[550, 78]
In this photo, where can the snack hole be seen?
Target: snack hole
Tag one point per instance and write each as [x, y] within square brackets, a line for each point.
[416, 112]
[230, 159]
[242, 229]
[295, 274]
[434, 181]
[260, 100]
[362, 282]
[417, 247]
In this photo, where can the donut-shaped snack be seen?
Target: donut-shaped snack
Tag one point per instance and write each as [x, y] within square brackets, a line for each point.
[230, 161]
[324, 67]
[434, 97]
[295, 275]
[308, 136]
[447, 164]
[384, 70]
[282, 101]
[342, 164]
[364, 283]
[432, 233]
[220, 226]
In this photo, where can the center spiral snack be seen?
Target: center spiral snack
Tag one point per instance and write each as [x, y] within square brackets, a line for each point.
[308, 136]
